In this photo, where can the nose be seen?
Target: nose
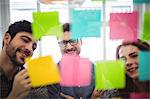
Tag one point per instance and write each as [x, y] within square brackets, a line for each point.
[129, 62]
[29, 49]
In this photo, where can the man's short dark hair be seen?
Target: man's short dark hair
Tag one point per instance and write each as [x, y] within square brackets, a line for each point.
[19, 26]
[66, 27]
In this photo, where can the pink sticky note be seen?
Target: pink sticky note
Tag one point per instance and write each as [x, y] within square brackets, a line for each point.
[67, 65]
[75, 71]
[140, 95]
[124, 26]
[84, 72]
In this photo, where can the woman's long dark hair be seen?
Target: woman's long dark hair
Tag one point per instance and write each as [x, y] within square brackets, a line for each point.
[130, 86]
[143, 46]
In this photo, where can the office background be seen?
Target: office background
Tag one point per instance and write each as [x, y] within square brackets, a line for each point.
[15, 10]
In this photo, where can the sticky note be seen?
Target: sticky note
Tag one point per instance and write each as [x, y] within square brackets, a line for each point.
[46, 23]
[124, 26]
[75, 71]
[50, 46]
[141, 1]
[84, 72]
[140, 95]
[79, 2]
[85, 23]
[48, 1]
[110, 74]
[89, 45]
[144, 65]
[146, 29]
[43, 71]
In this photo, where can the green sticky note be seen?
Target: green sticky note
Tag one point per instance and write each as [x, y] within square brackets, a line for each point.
[46, 23]
[110, 75]
[146, 31]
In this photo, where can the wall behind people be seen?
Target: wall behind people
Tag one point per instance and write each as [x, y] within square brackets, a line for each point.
[4, 18]
[0, 40]
[22, 9]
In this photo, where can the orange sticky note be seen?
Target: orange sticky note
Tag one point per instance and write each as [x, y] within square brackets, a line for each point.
[42, 71]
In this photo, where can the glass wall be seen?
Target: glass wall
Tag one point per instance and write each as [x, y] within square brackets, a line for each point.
[104, 48]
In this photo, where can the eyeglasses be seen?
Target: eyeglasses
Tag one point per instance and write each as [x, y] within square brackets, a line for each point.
[71, 42]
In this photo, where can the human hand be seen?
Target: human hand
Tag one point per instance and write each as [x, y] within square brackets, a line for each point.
[21, 85]
[66, 96]
[97, 93]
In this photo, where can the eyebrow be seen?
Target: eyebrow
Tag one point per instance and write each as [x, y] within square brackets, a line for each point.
[129, 54]
[132, 53]
[26, 37]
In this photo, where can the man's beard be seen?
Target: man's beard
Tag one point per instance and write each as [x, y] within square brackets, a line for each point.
[11, 52]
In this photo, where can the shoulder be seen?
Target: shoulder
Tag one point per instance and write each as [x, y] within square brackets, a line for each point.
[38, 93]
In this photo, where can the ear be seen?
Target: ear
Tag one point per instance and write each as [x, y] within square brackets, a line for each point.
[7, 38]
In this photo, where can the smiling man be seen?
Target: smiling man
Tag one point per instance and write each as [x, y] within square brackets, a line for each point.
[67, 45]
[73, 47]
[18, 44]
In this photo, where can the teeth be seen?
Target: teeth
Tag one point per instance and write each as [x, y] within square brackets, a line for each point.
[22, 59]
[132, 69]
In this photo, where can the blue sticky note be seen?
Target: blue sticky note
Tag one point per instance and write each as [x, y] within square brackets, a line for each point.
[85, 23]
[144, 65]
[141, 1]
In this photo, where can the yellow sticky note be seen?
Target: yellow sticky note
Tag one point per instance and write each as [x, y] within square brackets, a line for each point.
[43, 71]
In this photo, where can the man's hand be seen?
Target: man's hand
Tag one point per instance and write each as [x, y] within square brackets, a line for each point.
[97, 93]
[66, 96]
[21, 85]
